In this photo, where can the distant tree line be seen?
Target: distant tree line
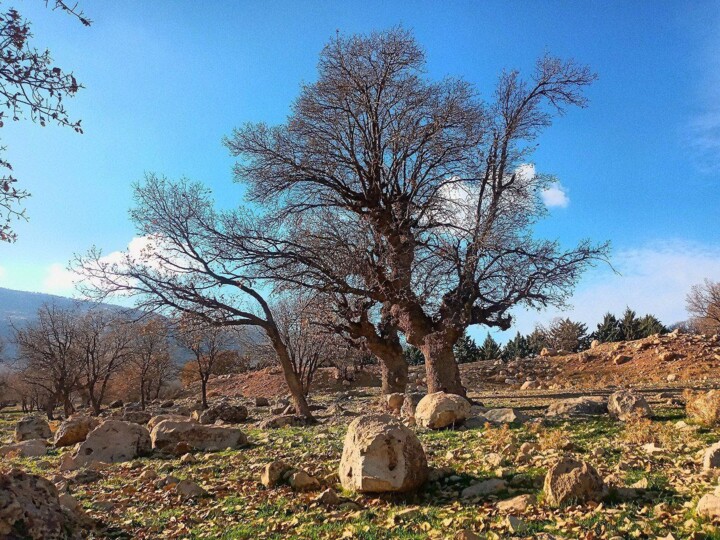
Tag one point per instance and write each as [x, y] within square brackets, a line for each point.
[560, 335]
[71, 357]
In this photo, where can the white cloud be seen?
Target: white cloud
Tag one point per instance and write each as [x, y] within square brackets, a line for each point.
[555, 196]
[651, 279]
[704, 141]
[59, 280]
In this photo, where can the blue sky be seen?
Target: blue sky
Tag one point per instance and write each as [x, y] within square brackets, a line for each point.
[166, 80]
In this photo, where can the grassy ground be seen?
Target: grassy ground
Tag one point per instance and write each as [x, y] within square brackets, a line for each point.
[239, 507]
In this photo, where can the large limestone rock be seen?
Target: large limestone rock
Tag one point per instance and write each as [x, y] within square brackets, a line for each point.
[112, 441]
[382, 455]
[626, 405]
[74, 430]
[32, 427]
[170, 433]
[30, 508]
[137, 417]
[582, 406]
[569, 480]
[440, 410]
[227, 412]
[409, 405]
[155, 420]
[31, 448]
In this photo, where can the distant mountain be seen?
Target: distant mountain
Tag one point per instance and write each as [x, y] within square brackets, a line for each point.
[19, 307]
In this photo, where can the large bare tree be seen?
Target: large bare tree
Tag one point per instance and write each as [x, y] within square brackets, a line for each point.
[703, 304]
[425, 188]
[190, 265]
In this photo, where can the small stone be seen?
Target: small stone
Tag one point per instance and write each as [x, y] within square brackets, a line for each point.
[187, 489]
[273, 473]
[709, 506]
[486, 487]
[569, 480]
[148, 475]
[302, 481]
[515, 524]
[328, 498]
[517, 504]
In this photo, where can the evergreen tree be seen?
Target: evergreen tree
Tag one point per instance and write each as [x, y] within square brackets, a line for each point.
[537, 340]
[466, 350]
[650, 325]
[517, 347]
[630, 325]
[608, 330]
[413, 356]
[490, 350]
[567, 335]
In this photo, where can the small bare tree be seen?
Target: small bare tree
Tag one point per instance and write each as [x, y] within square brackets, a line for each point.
[150, 359]
[208, 344]
[48, 355]
[703, 304]
[308, 344]
[104, 347]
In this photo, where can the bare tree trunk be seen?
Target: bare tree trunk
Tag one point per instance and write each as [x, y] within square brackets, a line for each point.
[441, 368]
[95, 404]
[49, 407]
[389, 352]
[68, 408]
[203, 389]
[142, 394]
[394, 370]
[291, 378]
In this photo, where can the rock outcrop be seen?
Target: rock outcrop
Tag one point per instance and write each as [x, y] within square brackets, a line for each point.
[441, 410]
[30, 508]
[113, 441]
[32, 427]
[569, 480]
[168, 434]
[382, 455]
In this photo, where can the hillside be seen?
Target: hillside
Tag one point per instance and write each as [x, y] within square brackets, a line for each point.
[19, 307]
[672, 359]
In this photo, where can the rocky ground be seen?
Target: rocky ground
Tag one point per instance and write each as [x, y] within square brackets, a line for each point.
[675, 360]
[487, 477]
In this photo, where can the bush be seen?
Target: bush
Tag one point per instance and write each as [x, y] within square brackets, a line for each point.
[703, 408]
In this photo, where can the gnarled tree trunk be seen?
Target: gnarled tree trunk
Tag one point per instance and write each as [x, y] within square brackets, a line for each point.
[442, 372]
[394, 371]
[291, 378]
